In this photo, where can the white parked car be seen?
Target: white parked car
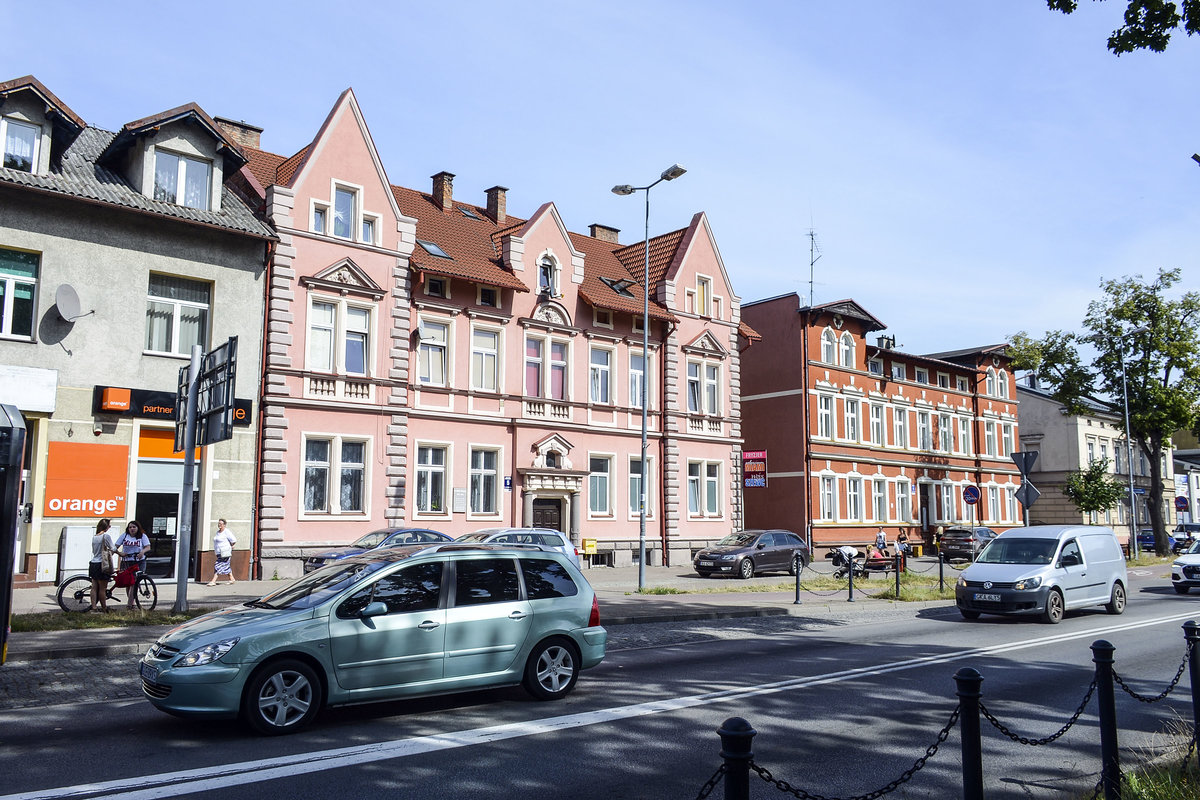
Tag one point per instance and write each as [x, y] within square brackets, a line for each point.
[1185, 572]
[543, 537]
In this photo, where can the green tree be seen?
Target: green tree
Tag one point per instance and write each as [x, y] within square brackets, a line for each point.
[1093, 489]
[1157, 337]
[1148, 23]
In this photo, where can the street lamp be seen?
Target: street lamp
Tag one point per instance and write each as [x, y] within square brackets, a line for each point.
[669, 174]
[1133, 543]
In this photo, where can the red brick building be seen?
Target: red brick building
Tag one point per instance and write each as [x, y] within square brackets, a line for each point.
[860, 435]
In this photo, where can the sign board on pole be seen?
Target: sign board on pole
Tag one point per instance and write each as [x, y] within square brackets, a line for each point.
[970, 495]
[754, 467]
[1028, 494]
[1024, 460]
[1181, 503]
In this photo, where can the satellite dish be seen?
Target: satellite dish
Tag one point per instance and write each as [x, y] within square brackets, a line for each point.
[67, 300]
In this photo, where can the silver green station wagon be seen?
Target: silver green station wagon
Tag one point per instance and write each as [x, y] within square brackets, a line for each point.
[402, 622]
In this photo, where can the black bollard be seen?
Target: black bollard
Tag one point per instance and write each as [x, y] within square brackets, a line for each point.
[737, 736]
[1191, 632]
[850, 567]
[941, 572]
[1110, 760]
[968, 681]
[799, 568]
[897, 570]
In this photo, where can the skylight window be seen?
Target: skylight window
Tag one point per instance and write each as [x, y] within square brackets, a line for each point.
[466, 212]
[621, 286]
[433, 249]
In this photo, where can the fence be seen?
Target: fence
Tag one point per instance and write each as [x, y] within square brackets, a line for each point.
[899, 565]
[737, 734]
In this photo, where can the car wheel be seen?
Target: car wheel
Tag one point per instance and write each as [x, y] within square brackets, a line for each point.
[1054, 611]
[796, 564]
[1181, 589]
[968, 614]
[552, 669]
[281, 697]
[1116, 605]
[746, 569]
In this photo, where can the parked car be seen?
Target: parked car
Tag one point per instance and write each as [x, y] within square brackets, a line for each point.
[959, 541]
[1046, 570]
[746, 553]
[1185, 572]
[544, 537]
[385, 624]
[384, 537]
[1145, 539]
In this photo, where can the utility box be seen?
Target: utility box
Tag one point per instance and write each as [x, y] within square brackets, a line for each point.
[12, 455]
[74, 551]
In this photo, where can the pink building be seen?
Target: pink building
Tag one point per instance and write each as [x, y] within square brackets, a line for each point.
[435, 363]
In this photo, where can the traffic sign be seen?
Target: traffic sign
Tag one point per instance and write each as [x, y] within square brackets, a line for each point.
[970, 495]
[1028, 494]
[1181, 503]
[1024, 460]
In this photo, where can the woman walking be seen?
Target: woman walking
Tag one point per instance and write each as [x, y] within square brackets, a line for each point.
[223, 542]
[100, 567]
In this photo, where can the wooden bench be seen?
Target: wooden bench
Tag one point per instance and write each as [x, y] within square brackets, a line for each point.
[884, 565]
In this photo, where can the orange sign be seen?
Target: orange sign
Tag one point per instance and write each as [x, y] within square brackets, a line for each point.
[86, 480]
[114, 399]
[159, 443]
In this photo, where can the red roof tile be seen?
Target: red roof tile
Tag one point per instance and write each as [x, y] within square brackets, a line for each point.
[263, 165]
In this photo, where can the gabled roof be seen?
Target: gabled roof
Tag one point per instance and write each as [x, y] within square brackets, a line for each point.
[190, 112]
[847, 308]
[1000, 350]
[56, 109]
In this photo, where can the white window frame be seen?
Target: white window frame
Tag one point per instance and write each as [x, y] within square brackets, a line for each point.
[480, 357]
[1002, 384]
[827, 492]
[546, 368]
[825, 416]
[829, 347]
[333, 480]
[879, 499]
[322, 207]
[480, 473]
[602, 318]
[855, 499]
[943, 380]
[181, 178]
[600, 486]
[352, 225]
[638, 378]
[875, 366]
[437, 286]
[964, 436]
[339, 333]
[847, 351]
[962, 384]
[989, 438]
[373, 220]
[711, 377]
[704, 295]
[637, 323]
[495, 294]
[443, 469]
[924, 430]
[852, 419]
[878, 430]
[548, 270]
[694, 387]
[634, 511]
[177, 307]
[993, 503]
[37, 141]
[1007, 440]
[704, 487]
[948, 509]
[945, 434]
[990, 382]
[9, 284]
[921, 375]
[600, 376]
[899, 372]
[1010, 503]
[900, 428]
[430, 346]
[903, 488]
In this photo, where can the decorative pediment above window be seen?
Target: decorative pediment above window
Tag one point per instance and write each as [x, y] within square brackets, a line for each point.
[551, 453]
[705, 345]
[346, 278]
[552, 313]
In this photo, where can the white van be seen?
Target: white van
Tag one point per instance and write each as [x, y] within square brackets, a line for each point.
[1046, 570]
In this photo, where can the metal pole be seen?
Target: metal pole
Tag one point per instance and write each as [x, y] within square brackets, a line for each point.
[737, 737]
[1191, 632]
[799, 568]
[1133, 542]
[941, 571]
[183, 553]
[645, 382]
[968, 682]
[897, 571]
[1110, 762]
[850, 568]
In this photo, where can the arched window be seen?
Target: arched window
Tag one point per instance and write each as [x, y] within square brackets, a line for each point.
[1002, 384]
[991, 382]
[829, 347]
[847, 350]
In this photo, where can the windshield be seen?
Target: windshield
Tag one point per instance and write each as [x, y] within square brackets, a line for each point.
[1004, 550]
[1193, 548]
[317, 587]
[737, 539]
[371, 540]
[473, 537]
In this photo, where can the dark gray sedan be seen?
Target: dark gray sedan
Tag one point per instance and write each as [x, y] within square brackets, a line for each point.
[746, 553]
[963, 542]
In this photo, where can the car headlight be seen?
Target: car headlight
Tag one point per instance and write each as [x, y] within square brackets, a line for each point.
[1028, 583]
[206, 654]
[726, 558]
[962, 582]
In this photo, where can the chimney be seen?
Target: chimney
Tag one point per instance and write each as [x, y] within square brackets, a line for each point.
[496, 204]
[242, 133]
[604, 233]
[886, 342]
[443, 190]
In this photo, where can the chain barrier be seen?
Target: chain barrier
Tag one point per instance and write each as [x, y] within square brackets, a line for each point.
[1170, 687]
[905, 776]
[1191, 749]
[818, 592]
[1096, 792]
[711, 783]
[958, 569]
[998, 725]
[909, 568]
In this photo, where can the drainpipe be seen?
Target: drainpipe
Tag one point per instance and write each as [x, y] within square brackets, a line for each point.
[807, 433]
[662, 438]
[255, 515]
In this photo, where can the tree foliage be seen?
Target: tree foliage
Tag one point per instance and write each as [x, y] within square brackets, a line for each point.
[1136, 324]
[1148, 23]
[1093, 489]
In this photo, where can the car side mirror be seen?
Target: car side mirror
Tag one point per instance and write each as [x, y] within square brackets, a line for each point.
[759, 546]
[1069, 561]
[375, 608]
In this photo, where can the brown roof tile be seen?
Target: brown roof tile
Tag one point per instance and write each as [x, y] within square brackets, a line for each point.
[263, 165]
[32, 83]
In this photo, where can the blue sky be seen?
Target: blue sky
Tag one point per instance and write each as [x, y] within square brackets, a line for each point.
[970, 169]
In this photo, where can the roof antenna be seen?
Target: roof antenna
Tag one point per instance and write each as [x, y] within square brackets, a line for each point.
[814, 255]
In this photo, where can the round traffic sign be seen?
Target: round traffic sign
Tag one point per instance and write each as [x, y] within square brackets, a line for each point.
[970, 495]
[1181, 503]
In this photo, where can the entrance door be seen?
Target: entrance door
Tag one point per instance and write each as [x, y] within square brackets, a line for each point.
[548, 514]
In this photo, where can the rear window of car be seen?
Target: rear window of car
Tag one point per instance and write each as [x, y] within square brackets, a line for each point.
[485, 580]
[545, 578]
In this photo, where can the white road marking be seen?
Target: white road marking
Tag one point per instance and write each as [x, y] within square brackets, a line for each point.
[208, 779]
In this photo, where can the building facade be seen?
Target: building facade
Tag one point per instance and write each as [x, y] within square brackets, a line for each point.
[1068, 443]
[118, 252]
[857, 435]
[437, 363]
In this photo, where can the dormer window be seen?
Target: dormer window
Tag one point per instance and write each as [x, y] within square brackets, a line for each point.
[21, 142]
[181, 180]
[547, 277]
[703, 297]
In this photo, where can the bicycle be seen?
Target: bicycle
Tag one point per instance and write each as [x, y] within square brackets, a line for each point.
[75, 594]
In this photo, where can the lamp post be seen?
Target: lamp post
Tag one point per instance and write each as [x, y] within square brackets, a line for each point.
[669, 174]
[1133, 543]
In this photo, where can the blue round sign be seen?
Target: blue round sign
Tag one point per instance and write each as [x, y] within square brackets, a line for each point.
[970, 495]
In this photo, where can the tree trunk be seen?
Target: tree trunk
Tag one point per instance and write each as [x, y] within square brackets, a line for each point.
[1154, 495]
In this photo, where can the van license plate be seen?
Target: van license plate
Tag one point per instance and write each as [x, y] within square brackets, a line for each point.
[987, 598]
[149, 672]
[706, 563]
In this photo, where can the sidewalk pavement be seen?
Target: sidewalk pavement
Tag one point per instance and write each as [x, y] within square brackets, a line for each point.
[616, 588]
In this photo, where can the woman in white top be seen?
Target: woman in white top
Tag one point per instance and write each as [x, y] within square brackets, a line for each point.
[223, 542]
[134, 547]
[102, 550]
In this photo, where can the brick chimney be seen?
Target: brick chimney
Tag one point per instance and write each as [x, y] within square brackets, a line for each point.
[243, 134]
[604, 233]
[443, 190]
[496, 204]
